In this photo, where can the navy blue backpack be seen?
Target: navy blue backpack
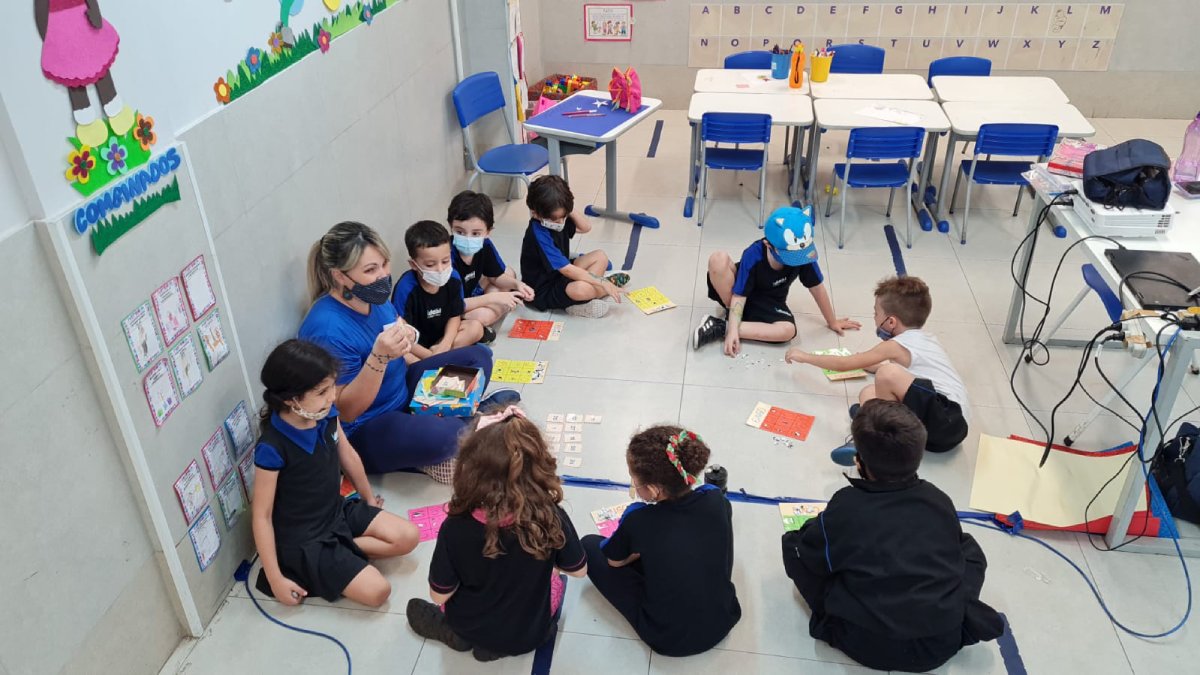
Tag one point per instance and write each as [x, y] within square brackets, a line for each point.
[1176, 469]
[1134, 173]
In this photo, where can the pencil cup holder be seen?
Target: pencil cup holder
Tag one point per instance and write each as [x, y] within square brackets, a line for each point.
[820, 68]
[779, 66]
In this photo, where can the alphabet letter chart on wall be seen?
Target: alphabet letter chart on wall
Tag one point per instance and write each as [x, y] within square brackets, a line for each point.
[1015, 36]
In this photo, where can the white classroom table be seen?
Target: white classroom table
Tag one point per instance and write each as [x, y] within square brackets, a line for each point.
[843, 115]
[1015, 89]
[967, 116]
[874, 86]
[735, 81]
[786, 110]
[1184, 236]
[609, 139]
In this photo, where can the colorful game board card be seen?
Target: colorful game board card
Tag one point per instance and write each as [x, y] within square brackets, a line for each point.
[189, 488]
[428, 520]
[229, 495]
[160, 391]
[185, 362]
[519, 372]
[217, 458]
[238, 426]
[206, 539]
[650, 300]
[212, 339]
[839, 375]
[795, 514]
[246, 470]
[780, 421]
[573, 462]
[526, 329]
[198, 288]
[143, 339]
[608, 518]
[168, 307]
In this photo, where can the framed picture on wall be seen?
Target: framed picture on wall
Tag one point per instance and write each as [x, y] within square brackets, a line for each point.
[198, 287]
[608, 23]
[206, 538]
[217, 458]
[185, 361]
[168, 305]
[212, 339]
[161, 394]
[143, 339]
[246, 470]
[189, 488]
[238, 426]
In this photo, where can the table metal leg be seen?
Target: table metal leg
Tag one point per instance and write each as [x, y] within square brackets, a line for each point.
[814, 153]
[944, 225]
[610, 194]
[555, 151]
[689, 202]
[797, 168]
[918, 198]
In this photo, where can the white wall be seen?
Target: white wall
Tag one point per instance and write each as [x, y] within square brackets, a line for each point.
[13, 211]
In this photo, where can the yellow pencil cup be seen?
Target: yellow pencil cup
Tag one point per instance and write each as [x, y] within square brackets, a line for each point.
[820, 68]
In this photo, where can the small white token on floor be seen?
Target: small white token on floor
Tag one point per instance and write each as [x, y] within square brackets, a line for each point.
[574, 417]
[554, 427]
[554, 448]
[573, 461]
[553, 438]
[572, 438]
[573, 427]
[593, 419]
[554, 417]
[573, 447]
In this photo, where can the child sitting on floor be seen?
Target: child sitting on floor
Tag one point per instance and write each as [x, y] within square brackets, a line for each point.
[887, 572]
[491, 288]
[495, 567]
[755, 290]
[311, 541]
[910, 366]
[430, 295]
[559, 281]
[668, 567]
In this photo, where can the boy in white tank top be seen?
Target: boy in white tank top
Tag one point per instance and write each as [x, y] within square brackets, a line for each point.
[910, 367]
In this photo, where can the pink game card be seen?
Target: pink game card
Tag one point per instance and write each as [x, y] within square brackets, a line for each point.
[428, 520]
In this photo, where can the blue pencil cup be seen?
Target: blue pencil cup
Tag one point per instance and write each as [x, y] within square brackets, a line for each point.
[780, 65]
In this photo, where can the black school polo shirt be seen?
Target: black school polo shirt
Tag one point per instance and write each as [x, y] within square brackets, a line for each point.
[756, 278]
[428, 312]
[544, 252]
[307, 499]
[487, 263]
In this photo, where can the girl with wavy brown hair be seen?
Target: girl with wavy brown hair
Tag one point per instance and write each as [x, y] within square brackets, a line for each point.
[494, 578]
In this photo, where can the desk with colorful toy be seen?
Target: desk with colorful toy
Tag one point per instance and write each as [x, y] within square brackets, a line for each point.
[967, 116]
[1183, 344]
[837, 114]
[588, 117]
[734, 81]
[786, 110]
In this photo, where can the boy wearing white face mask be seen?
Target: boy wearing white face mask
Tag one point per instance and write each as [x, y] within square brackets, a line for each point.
[490, 288]
[430, 295]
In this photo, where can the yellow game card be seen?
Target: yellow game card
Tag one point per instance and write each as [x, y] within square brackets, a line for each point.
[519, 372]
[650, 300]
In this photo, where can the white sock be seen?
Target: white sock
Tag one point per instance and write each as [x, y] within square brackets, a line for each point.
[114, 106]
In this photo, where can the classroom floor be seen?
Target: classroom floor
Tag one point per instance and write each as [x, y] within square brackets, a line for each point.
[637, 370]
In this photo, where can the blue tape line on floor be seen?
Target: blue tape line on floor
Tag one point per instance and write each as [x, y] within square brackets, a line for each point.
[635, 236]
[1009, 652]
[894, 245]
[658, 127]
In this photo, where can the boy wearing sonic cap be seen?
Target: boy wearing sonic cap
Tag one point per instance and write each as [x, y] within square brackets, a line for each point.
[755, 290]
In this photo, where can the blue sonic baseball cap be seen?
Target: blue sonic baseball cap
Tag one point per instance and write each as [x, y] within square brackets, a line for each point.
[790, 231]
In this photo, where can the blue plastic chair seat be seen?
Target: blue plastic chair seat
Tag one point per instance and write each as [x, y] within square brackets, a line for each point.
[1112, 305]
[733, 159]
[522, 160]
[993, 172]
[874, 175]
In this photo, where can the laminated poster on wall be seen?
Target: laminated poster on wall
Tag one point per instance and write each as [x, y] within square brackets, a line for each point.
[212, 339]
[141, 336]
[238, 426]
[246, 470]
[185, 361]
[160, 391]
[217, 458]
[229, 495]
[206, 538]
[198, 287]
[168, 306]
[189, 488]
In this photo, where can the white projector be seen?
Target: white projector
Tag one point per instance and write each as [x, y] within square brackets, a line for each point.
[1127, 222]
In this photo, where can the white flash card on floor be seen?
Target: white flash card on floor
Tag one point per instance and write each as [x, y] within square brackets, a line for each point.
[554, 427]
[573, 462]
[554, 417]
[574, 447]
[572, 438]
[553, 438]
[592, 419]
[554, 448]
[574, 427]
[574, 417]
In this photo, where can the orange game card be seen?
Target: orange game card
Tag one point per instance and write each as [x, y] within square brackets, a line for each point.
[535, 330]
[781, 421]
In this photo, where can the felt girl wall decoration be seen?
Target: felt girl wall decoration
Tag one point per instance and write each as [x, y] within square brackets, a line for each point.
[78, 48]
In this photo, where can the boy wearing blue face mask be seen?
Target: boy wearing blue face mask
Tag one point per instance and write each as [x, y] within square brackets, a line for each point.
[578, 285]
[490, 288]
[755, 290]
[910, 367]
[430, 295]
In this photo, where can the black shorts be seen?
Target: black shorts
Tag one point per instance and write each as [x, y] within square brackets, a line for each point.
[758, 309]
[325, 567]
[943, 418]
[552, 294]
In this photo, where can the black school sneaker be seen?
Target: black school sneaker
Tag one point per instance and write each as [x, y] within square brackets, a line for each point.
[489, 336]
[711, 329]
[429, 621]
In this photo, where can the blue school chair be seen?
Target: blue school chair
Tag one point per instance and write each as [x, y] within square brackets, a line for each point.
[475, 97]
[1005, 140]
[854, 58]
[876, 144]
[959, 65]
[752, 60]
[737, 128]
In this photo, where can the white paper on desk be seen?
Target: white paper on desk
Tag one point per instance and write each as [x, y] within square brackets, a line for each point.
[895, 115]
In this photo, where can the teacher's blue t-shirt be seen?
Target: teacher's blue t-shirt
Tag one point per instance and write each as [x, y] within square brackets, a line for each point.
[349, 336]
